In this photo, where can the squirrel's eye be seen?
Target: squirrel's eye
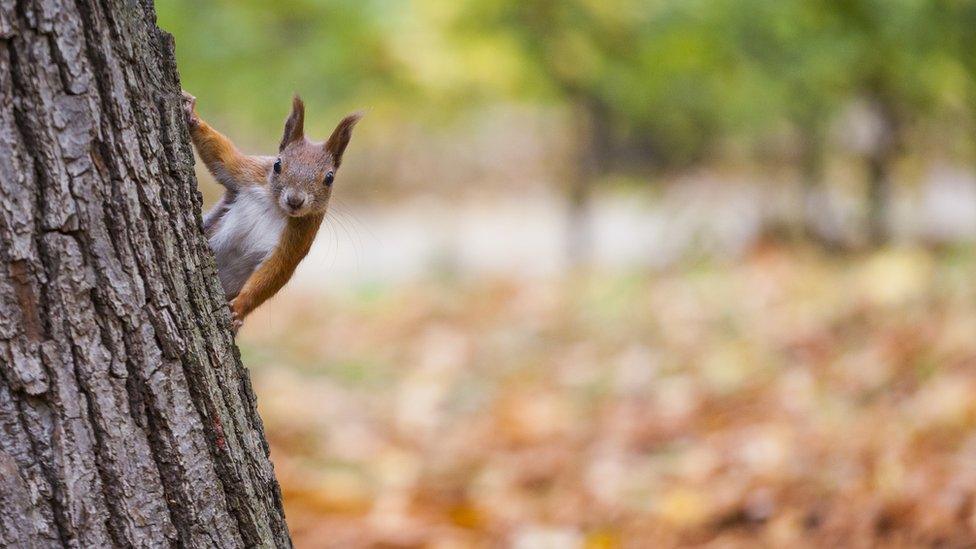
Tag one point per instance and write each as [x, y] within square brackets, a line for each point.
[277, 166]
[329, 177]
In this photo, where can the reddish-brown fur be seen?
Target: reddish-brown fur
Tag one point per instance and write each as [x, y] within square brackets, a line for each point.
[274, 272]
[304, 165]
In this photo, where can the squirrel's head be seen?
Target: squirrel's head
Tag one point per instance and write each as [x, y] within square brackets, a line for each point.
[302, 175]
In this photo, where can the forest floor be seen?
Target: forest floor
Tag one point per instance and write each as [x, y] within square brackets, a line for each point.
[790, 399]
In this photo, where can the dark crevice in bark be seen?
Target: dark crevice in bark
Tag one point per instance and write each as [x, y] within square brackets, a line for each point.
[61, 62]
[217, 440]
[26, 135]
[57, 510]
[115, 521]
[170, 474]
[85, 396]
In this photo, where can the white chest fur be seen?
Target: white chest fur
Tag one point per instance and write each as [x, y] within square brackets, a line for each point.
[245, 236]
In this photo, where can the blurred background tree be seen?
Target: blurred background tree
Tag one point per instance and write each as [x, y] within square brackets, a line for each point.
[897, 68]
[641, 88]
[646, 85]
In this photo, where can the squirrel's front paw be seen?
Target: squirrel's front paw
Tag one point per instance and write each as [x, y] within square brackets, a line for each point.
[236, 316]
[190, 109]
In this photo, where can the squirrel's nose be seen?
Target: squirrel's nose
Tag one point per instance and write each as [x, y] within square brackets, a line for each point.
[294, 201]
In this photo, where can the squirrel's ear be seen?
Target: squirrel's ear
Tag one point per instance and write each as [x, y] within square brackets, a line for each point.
[295, 125]
[336, 145]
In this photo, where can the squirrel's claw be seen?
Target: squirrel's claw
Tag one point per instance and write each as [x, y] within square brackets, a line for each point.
[236, 317]
[190, 109]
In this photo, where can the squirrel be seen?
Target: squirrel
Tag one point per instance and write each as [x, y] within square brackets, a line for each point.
[266, 221]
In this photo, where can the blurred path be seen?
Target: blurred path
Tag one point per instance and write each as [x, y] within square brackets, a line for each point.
[522, 235]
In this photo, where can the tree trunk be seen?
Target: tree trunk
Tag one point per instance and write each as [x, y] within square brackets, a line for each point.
[814, 206]
[579, 215]
[879, 198]
[593, 136]
[880, 162]
[126, 416]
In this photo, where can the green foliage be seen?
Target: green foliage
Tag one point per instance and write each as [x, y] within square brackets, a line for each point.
[670, 79]
[245, 58]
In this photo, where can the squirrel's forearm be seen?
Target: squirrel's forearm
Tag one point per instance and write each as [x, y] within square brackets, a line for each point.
[228, 165]
[263, 283]
[276, 270]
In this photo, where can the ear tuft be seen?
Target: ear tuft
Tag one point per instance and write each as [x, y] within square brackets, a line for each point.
[295, 124]
[336, 145]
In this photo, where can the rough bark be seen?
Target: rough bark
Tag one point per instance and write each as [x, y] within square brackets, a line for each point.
[126, 416]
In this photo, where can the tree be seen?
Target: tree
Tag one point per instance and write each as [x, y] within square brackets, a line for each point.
[127, 418]
[580, 54]
[896, 44]
[800, 55]
[563, 45]
[645, 84]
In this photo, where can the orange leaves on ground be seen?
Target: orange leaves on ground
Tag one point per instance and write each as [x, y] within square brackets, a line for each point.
[789, 400]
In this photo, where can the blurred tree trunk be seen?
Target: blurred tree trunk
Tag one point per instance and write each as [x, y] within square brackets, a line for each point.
[880, 162]
[127, 418]
[812, 166]
[814, 202]
[593, 151]
[879, 198]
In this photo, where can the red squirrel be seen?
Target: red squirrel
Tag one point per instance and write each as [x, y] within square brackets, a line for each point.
[272, 207]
